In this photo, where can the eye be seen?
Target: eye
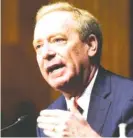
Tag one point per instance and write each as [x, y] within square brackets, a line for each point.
[59, 40]
[37, 47]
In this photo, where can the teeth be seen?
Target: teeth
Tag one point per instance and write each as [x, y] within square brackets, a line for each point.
[54, 68]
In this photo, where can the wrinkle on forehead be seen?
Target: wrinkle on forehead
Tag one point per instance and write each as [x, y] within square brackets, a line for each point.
[59, 20]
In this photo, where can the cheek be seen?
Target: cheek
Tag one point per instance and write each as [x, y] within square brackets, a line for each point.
[40, 63]
[72, 56]
[38, 59]
[79, 56]
[76, 55]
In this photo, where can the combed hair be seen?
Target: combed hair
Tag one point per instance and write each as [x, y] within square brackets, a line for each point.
[86, 23]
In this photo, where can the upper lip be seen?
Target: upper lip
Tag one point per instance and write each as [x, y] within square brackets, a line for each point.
[51, 66]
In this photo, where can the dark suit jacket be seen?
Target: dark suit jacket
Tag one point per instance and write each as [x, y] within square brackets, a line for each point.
[111, 104]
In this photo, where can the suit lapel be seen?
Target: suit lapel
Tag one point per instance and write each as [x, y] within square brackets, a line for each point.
[60, 103]
[99, 103]
[97, 112]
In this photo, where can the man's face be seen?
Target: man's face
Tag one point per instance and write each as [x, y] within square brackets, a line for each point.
[61, 55]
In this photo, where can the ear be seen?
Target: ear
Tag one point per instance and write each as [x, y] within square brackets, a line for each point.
[93, 45]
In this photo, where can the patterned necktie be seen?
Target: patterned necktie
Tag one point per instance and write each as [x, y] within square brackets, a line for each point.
[74, 107]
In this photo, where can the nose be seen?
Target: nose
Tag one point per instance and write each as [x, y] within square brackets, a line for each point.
[48, 52]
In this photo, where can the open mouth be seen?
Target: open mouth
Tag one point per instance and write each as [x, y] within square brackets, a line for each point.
[54, 67]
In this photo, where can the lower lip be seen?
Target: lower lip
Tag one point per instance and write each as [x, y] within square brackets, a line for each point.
[58, 72]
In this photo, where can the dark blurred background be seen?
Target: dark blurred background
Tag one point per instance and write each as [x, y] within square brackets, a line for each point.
[23, 90]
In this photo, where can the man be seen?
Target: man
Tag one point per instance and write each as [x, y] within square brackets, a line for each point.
[68, 43]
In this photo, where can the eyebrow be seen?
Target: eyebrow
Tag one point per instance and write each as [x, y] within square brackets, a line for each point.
[37, 41]
[40, 40]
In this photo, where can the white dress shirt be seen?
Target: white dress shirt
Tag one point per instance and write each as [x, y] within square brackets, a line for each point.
[84, 100]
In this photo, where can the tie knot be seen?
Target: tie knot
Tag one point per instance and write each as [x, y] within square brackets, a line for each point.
[73, 105]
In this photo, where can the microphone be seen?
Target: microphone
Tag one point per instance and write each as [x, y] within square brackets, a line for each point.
[18, 121]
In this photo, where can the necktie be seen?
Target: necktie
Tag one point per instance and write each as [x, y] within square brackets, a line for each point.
[74, 107]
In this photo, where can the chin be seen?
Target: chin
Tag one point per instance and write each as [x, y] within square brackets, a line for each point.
[59, 83]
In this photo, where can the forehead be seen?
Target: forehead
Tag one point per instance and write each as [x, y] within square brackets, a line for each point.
[54, 22]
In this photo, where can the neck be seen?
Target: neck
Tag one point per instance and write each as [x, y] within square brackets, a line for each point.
[93, 69]
[77, 91]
